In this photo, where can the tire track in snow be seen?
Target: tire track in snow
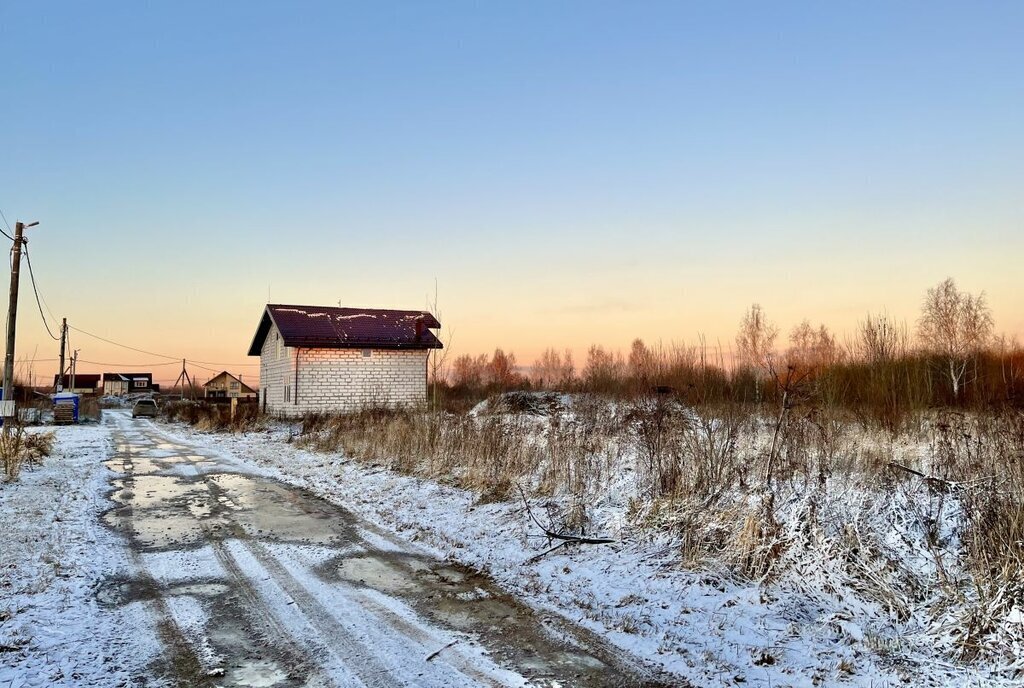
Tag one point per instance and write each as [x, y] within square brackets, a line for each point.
[384, 664]
[184, 663]
[471, 663]
[277, 624]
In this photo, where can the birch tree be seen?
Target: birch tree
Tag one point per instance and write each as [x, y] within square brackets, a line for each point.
[755, 341]
[955, 325]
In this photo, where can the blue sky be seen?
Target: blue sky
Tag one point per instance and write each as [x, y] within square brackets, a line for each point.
[568, 172]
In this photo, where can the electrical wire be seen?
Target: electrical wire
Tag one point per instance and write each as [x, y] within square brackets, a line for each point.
[212, 370]
[127, 365]
[8, 226]
[35, 290]
[124, 346]
[174, 359]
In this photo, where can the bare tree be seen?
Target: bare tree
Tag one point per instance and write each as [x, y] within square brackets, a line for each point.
[642, 363]
[812, 347]
[604, 369]
[756, 339]
[955, 325]
[554, 370]
[881, 339]
[755, 344]
[469, 371]
[501, 371]
[437, 359]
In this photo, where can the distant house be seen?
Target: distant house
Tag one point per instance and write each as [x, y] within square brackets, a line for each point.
[226, 386]
[322, 358]
[84, 383]
[119, 384]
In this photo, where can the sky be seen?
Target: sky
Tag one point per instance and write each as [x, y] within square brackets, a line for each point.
[565, 173]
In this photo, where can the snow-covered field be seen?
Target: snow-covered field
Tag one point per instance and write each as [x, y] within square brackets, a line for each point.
[814, 626]
[55, 552]
[828, 619]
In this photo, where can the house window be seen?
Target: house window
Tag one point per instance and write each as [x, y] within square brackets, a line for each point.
[234, 385]
[287, 393]
[140, 382]
[366, 353]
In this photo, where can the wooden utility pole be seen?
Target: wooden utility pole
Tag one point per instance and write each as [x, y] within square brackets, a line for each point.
[59, 387]
[74, 364]
[12, 317]
[182, 379]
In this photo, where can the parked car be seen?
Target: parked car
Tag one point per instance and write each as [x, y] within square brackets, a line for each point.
[144, 407]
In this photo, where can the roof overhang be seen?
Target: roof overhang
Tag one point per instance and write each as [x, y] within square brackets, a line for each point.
[262, 330]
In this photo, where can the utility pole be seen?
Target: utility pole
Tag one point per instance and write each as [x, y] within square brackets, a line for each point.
[182, 379]
[74, 364]
[59, 387]
[12, 317]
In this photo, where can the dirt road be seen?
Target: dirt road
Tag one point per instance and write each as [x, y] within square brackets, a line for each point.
[257, 583]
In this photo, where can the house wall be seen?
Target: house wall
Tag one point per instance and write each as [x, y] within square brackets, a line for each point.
[114, 387]
[229, 386]
[276, 372]
[340, 379]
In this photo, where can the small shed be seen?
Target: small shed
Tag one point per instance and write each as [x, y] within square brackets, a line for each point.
[326, 358]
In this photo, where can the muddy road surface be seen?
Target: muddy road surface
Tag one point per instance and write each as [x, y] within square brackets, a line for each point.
[253, 582]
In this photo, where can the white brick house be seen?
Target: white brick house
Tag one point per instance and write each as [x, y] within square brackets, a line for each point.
[322, 358]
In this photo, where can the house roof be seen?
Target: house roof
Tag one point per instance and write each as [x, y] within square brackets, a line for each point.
[81, 380]
[245, 388]
[125, 376]
[344, 328]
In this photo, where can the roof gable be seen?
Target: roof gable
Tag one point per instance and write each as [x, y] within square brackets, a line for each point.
[229, 377]
[334, 327]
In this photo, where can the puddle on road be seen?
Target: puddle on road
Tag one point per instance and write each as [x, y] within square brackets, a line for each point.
[259, 674]
[161, 509]
[167, 511]
[546, 647]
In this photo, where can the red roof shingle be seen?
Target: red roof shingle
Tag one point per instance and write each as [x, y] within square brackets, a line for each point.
[358, 328]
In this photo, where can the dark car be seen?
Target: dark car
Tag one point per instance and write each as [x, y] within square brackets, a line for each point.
[144, 407]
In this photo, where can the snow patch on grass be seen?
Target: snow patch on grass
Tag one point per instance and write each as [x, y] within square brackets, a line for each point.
[56, 555]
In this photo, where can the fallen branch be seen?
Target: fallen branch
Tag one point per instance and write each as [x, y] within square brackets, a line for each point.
[893, 464]
[537, 557]
[565, 537]
[435, 653]
[947, 485]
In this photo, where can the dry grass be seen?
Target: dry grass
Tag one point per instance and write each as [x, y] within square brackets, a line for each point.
[19, 449]
[823, 522]
[214, 417]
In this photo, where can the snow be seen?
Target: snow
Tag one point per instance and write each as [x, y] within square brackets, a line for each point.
[56, 556]
[814, 626]
[830, 618]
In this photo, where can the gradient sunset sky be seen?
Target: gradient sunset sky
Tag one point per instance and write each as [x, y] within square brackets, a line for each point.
[570, 173]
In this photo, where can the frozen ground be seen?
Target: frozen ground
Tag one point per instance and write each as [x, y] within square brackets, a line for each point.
[63, 623]
[55, 552]
[208, 572]
[815, 626]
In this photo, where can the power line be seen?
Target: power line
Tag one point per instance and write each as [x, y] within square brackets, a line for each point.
[198, 364]
[127, 365]
[124, 346]
[35, 290]
[8, 226]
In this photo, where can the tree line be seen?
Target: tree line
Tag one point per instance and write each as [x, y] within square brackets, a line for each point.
[951, 358]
